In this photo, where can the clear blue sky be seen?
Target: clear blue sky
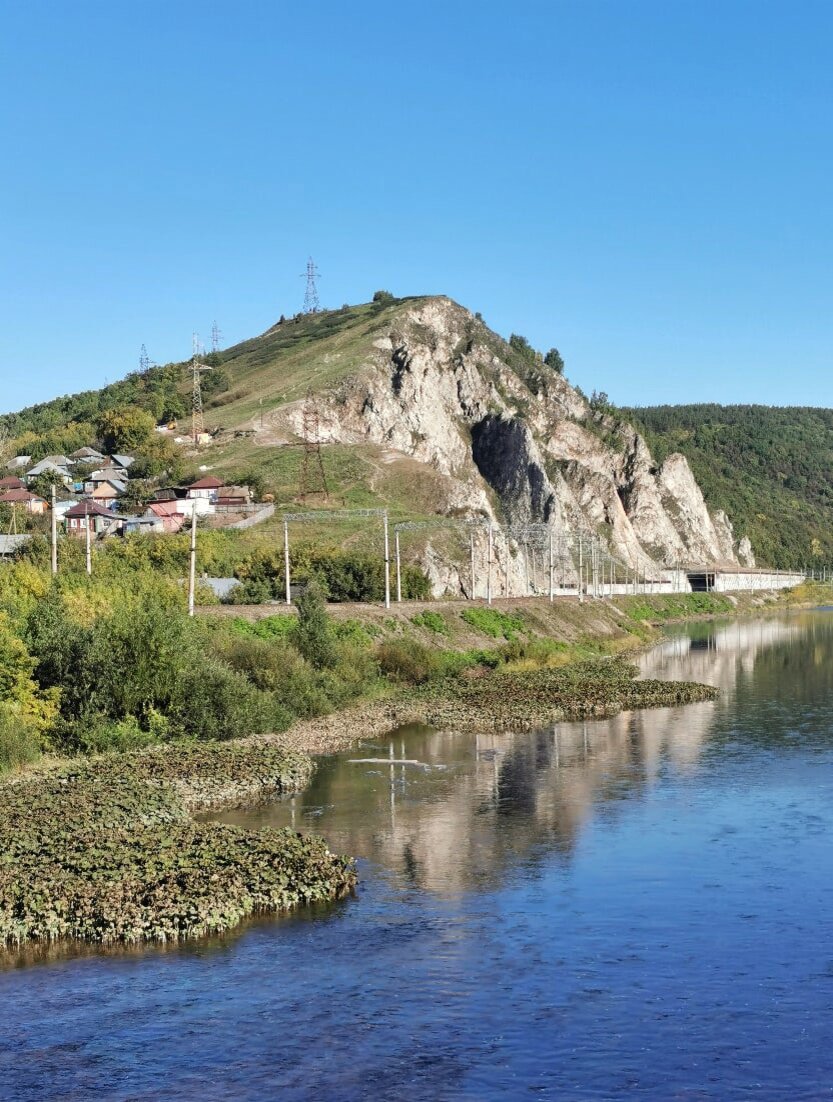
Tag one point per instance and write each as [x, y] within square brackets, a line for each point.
[645, 184]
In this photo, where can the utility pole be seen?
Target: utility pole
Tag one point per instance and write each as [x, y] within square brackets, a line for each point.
[580, 572]
[398, 568]
[471, 565]
[552, 566]
[144, 360]
[88, 548]
[215, 337]
[387, 562]
[286, 580]
[192, 562]
[54, 531]
[489, 566]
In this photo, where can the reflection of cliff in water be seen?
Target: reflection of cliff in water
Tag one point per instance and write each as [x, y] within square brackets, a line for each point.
[492, 801]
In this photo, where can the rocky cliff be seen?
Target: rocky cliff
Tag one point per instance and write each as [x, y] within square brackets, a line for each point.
[511, 440]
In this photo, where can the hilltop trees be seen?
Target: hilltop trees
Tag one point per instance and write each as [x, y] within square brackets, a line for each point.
[125, 429]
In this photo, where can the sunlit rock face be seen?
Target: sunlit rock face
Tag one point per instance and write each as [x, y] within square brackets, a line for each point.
[513, 441]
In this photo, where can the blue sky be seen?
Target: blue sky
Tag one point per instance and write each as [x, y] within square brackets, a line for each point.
[645, 185]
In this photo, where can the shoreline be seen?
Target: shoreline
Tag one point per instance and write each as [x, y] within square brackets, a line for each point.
[162, 877]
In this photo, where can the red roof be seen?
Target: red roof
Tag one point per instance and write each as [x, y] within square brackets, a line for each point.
[12, 496]
[164, 508]
[88, 508]
[208, 483]
[12, 482]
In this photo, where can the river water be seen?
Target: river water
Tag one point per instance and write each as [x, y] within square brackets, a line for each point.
[636, 907]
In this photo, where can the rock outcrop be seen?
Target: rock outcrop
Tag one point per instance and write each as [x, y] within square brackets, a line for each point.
[516, 443]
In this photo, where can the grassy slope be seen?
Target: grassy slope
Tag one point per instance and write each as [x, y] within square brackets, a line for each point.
[770, 468]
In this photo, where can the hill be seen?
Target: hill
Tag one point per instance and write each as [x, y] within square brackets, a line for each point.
[769, 468]
[422, 409]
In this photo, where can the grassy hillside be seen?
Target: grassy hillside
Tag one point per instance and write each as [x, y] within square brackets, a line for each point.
[770, 468]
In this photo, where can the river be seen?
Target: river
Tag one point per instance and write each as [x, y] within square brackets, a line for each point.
[640, 906]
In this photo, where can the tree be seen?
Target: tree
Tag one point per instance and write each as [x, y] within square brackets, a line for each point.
[522, 346]
[42, 484]
[553, 359]
[383, 298]
[312, 635]
[125, 429]
[136, 495]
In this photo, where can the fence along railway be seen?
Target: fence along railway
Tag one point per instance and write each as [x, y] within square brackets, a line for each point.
[551, 564]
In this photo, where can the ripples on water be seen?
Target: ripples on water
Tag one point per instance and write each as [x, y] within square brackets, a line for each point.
[641, 906]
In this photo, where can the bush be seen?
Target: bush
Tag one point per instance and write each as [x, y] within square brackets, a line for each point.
[19, 744]
[433, 621]
[494, 623]
[406, 660]
[312, 635]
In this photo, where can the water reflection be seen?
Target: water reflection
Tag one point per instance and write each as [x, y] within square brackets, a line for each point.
[481, 805]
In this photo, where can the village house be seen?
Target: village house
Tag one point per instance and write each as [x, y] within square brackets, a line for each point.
[107, 492]
[87, 455]
[52, 464]
[24, 499]
[114, 476]
[185, 504]
[122, 462]
[11, 482]
[232, 497]
[101, 521]
[207, 489]
[168, 513]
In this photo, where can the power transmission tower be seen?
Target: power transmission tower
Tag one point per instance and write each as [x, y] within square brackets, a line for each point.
[311, 303]
[216, 336]
[144, 360]
[313, 479]
[197, 423]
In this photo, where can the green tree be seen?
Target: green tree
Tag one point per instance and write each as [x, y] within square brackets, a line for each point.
[553, 359]
[125, 429]
[312, 635]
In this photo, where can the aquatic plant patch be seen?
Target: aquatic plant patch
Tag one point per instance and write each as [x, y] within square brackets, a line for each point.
[105, 851]
[526, 698]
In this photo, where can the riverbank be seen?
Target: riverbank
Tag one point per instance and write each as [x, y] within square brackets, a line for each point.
[105, 850]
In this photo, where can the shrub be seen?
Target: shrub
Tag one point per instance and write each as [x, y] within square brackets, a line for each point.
[433, 621]
[312, 635]
[19, 744]
[406, 660]
[492, 622]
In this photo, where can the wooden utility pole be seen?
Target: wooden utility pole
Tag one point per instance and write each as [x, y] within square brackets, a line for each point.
[192, 562]
[54, 532]
[88, 549]
[286, 579]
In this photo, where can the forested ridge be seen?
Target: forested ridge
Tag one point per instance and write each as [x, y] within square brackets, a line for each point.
[769, 467]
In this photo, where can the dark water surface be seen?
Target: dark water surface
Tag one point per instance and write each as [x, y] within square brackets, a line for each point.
[638, 907]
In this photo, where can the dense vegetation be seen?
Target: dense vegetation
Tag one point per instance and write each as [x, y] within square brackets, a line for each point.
[106, 851]
[768, 467]
[114, 662]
